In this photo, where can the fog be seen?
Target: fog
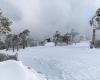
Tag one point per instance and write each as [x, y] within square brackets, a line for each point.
[44, 17]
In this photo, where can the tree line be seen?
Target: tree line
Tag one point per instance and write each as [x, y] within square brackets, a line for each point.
[11, 40]
[67, 38]
[17, 41]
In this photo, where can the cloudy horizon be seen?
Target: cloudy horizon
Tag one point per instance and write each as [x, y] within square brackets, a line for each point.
[44, 17]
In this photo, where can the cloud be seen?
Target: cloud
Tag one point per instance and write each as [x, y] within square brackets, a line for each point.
[44, 17]
[10, 10]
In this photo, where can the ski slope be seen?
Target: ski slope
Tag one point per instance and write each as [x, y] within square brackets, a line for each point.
[73, 62]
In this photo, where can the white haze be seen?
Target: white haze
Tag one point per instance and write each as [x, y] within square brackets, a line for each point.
[44, 17]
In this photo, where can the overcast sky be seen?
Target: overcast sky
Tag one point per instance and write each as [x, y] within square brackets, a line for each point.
[44, 17]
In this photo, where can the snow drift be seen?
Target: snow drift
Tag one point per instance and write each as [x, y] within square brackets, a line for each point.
[15, 70]
[50, 44]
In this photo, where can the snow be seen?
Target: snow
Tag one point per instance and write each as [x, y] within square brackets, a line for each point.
[49, 44]
[73, 62]
[15, 70]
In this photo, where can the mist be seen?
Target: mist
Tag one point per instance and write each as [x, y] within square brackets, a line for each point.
[44, 17]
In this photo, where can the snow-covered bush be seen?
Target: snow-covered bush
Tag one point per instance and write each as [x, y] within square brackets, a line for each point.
[4, 57]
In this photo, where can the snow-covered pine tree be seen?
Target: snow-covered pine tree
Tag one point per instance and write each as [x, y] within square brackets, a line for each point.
[56, 37]
[8, 41]
[23, 36]
[73, 33]
[4, 24]
[15, 42]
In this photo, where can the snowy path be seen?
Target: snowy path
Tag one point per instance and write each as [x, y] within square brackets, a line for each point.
[76, 62]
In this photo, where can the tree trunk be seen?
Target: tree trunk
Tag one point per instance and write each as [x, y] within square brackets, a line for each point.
[23, 45]
[17, 48]
[13, 48]
[93, 36]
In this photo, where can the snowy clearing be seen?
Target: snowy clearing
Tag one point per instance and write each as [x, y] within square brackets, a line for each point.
[73, 62]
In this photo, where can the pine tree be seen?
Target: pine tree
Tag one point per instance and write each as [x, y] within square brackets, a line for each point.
[73, 33]
[8, 41]
[56, 37]
[15, 41]
[4, 24]
[23, 37]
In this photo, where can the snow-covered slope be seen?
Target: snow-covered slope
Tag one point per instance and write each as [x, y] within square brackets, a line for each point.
[13, 70]
[73, 62]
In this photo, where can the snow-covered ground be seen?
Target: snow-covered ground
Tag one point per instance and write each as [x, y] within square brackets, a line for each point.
[73, 62]
[15, 70]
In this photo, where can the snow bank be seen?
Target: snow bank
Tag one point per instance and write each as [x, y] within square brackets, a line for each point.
[13, 70]
[50, 44]
[83, 44]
